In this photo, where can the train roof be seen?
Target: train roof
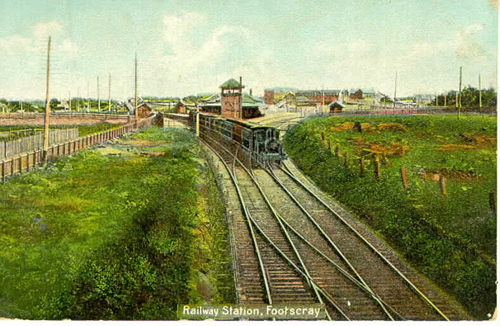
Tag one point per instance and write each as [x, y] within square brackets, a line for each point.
[248, 124]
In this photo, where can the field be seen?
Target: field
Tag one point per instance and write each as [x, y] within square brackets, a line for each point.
[427, 184]
[121, 231]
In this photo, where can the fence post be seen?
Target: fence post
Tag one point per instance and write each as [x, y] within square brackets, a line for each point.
[377, 168]
[362, 166]
[3, 171]
[404, 178]
[337, 151]
[493, 202]
[442, 184]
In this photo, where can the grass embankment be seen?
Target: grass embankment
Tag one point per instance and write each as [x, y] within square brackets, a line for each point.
[450, 238]
[18, 131]
[120, 232]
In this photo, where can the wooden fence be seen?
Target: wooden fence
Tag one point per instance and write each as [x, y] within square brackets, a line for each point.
[34, 142]
[24, 162]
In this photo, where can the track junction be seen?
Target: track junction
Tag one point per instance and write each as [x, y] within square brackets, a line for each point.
[294, 245]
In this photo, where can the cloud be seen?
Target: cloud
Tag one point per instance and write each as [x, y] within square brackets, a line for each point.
[179, 29]
[194, 52]
[41, 31]
[15, 44]
[67, 47]
[467, 44]
[19, 45]
[360, 47]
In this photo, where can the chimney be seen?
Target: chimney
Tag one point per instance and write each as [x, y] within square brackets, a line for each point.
[251, 92]
[241, 82]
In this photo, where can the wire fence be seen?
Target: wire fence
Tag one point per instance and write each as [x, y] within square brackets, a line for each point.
[38, 115]
[34, 142]
[20, 163]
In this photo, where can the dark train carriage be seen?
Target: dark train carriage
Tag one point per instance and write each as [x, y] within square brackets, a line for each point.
[261, 142]
[227, 130]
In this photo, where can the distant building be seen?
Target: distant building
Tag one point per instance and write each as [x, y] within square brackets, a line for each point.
[318, 97]
[274, 95]
[182, 106]
[302, 101]
[144, 110]
[232, 102]
[362, 93]
[336, 106]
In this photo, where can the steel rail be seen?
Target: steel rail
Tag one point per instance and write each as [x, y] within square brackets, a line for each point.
[349, 226]
[252, 233]
[287, 235]
[340, 269]
[323, 292]
[362, 286]
[307, 276]
[329, 240]
[345, 273]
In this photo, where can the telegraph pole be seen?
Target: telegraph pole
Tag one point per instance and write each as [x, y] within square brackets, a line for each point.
[88, 96]
[46, 121]
[323, 100]
[480, 93]
[109, 93]
[69, 95]
[135, 94]
[394, 99]
[460, 92]
[98, 96]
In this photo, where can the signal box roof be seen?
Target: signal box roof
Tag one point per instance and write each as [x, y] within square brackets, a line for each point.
[231, 84]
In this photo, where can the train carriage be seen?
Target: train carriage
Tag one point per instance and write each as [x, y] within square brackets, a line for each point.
[259, 142]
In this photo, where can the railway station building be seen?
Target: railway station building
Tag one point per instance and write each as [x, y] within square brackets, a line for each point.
[232, 102]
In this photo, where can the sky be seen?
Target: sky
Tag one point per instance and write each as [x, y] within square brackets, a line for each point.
[192, 46]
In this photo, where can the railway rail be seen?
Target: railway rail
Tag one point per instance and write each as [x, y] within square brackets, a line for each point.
[295, 248]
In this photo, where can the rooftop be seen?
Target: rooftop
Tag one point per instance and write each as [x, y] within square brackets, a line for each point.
[231, 83]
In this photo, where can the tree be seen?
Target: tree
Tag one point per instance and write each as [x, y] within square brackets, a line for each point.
[386, 99]
[489, 98]
[54, 103]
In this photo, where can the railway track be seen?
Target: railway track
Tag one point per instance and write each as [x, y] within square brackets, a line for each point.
[294, 248]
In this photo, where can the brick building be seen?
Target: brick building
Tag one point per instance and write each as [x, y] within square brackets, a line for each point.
[232, 102]
[318, 97]
[231, 93]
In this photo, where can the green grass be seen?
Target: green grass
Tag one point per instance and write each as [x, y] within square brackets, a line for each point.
[109, 234]
[452, 238]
